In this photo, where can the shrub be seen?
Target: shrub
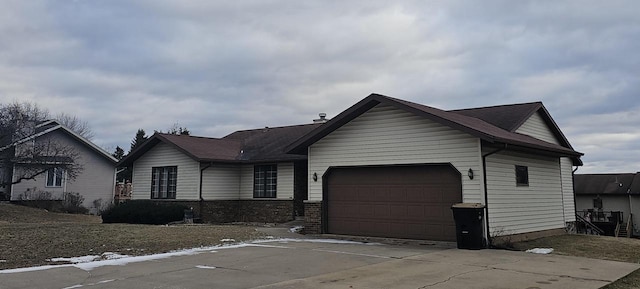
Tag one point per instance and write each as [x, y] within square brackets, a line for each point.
[39, 199]
[144, 212]
[73, 203]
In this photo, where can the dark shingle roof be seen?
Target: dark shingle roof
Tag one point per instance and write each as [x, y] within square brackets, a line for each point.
[507, 117]
[203, 148]
[268, 144]
[606, 184]
[257, 145]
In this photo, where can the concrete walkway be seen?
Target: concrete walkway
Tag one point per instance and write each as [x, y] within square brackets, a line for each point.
[312, 263]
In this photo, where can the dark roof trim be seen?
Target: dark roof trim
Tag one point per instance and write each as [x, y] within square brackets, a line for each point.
[300, 146]
[157, 138]
[546, 116]
[457, 122]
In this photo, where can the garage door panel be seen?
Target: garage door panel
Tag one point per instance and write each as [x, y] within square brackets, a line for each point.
[398, 202]
[381, 211]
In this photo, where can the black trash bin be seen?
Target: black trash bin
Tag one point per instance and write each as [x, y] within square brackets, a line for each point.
[469, 225]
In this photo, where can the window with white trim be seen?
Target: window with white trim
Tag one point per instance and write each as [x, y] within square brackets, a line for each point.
[265, 179]
[55, 177]
[163, 182]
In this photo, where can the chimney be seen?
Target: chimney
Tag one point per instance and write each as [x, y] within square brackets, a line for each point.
[322, 119]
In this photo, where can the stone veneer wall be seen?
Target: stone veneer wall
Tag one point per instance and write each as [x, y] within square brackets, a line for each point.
[312, 217]
[227, 211]
[266, 211]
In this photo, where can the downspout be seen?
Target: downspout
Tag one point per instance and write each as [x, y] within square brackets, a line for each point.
[200, 203]
[486, 193]
[573, 184]
[115, 183]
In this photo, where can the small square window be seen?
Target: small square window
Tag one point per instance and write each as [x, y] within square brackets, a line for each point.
[597, 203]
[522, 176]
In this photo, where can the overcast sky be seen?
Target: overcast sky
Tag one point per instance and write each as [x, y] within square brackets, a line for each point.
[216, 68]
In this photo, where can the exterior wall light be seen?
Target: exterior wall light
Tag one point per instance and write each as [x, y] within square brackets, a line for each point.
[315, 177]
[470, 174]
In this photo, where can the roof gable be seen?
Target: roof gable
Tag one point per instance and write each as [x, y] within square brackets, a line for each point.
[51, 126]
[511, 117]
[460, 121]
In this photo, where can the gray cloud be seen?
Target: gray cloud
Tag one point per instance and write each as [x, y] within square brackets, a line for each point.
[217, 67]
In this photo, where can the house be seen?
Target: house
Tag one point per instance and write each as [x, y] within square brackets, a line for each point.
[244, 176]
[609, 198]
[393, 168]
[94, 181]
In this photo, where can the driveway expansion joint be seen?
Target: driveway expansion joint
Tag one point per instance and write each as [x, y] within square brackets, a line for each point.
[452, 277]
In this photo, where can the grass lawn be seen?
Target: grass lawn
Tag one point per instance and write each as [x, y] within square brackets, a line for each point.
[597, 247]
[28, 237]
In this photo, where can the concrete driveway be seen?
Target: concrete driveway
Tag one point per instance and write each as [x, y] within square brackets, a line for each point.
[316, 263]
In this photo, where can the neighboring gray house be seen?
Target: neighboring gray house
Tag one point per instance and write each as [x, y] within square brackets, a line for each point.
[245, 176]
[598, 195]
[392, 168]
[95, 182]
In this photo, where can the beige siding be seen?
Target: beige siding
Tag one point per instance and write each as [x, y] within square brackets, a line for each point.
[221, 182]
[520, 209]
[246, 182]
[285, 181]
[386, 135]
[163, 155]
[95, 182]
[566, 171]
[284, 186]
[536, 127]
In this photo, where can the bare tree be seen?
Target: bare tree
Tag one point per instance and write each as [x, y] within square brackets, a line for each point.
[176, 128]
[75, 124]
[24, 154]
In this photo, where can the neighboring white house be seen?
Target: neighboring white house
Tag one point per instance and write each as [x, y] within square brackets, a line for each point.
[95, 182]
[245, 176]
[392, 168]
[605, 198]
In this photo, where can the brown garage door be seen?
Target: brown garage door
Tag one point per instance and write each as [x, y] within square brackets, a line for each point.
[397, 201]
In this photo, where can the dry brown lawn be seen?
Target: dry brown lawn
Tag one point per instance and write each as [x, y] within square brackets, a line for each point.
[597, 247]
[28, 237]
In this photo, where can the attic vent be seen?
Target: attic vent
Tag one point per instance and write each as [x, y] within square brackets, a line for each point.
[322, 119]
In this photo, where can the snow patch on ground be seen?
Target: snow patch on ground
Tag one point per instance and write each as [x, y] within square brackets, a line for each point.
[205, 267]
[91, 262]
[227, 240]
[326, 241]
[296, 229]
[90, 258]
[540, 250]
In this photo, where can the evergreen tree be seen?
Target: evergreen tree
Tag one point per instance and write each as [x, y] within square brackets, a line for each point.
[118, 153]
[138, 140]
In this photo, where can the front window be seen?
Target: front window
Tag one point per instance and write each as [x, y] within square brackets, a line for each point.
[163, 182]
[265, 178]
[55, 177]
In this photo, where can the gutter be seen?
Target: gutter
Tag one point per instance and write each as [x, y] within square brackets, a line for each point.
[486, 193]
